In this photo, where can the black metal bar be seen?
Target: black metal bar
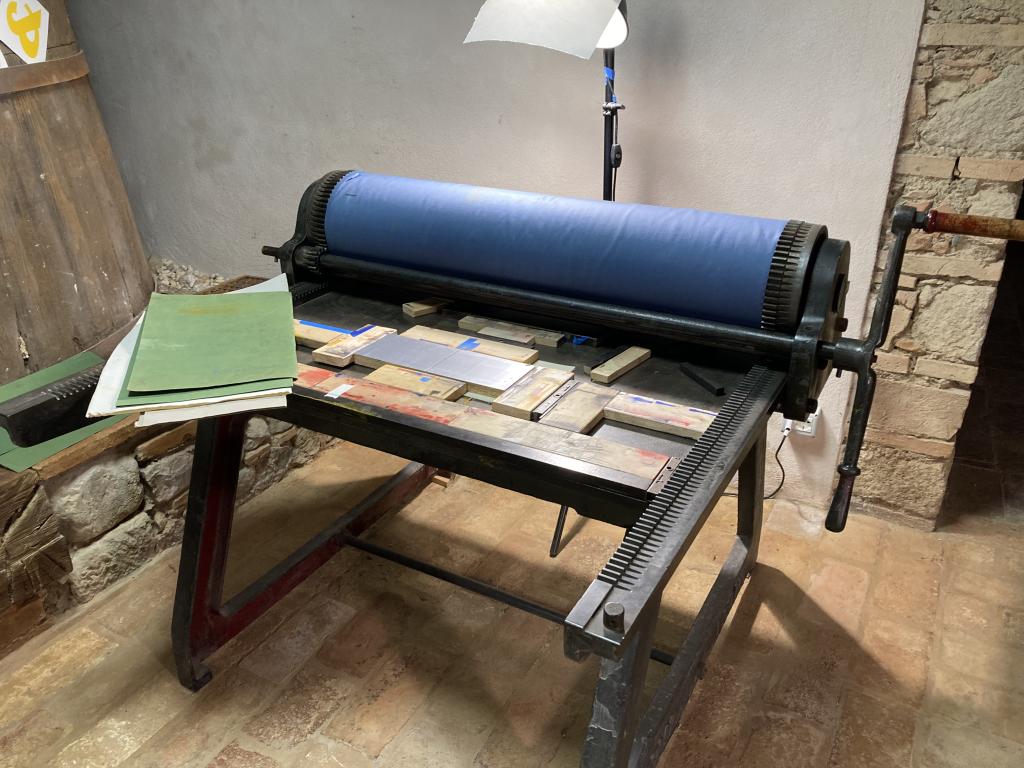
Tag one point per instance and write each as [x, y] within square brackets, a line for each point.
[597, 492]
[703, 332]
[556, 537]
[473, 585]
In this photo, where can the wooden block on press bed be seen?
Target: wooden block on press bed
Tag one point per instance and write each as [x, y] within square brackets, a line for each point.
[621, 364]
[523, 397]
[508, 334]
[472, 344]
[659, 415]
[581, 409]
[340, 352]
[542, 337]
[423, 307]
[309, 375]
[313, 336]
[592, 450]
[418, 382]
[482, 373]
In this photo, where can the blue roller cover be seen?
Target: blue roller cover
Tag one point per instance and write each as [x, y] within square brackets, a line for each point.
[710, 266]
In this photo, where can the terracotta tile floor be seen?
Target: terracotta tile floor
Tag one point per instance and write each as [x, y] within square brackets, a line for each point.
[880, 647]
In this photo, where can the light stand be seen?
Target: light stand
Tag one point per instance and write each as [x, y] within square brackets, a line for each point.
[612, 154]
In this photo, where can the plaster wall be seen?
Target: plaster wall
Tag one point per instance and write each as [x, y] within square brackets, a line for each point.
[221, 113]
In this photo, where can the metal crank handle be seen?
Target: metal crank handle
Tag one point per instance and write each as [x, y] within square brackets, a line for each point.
[857, 355]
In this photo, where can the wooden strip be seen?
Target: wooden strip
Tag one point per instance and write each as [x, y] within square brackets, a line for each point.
[472, 344]
[581, 409]
[26, 77]
[508, 334]
[313, 336]
[418, 382]
[621, 364]
[488, 375]
[597, 451]
[522, 398]
[341, 351]
[658, 415]
[542, 336]
[423, 307]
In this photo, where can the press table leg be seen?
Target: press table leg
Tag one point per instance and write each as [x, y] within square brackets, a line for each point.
[620, 687]
[204, 547]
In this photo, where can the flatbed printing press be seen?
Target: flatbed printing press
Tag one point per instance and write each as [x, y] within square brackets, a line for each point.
[756, 305]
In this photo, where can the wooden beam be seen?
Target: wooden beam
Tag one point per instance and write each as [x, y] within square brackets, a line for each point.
[619, 365]
[659, 415]
[522, 398]
[423, 307]
[542, 336]
[418, 382]
[341, 351]
[472, 344]
[581, 409]
[313, 336]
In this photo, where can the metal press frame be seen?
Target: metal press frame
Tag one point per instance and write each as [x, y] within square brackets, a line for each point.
[614, 618]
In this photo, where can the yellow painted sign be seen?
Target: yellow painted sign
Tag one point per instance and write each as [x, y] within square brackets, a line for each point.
[24, 26]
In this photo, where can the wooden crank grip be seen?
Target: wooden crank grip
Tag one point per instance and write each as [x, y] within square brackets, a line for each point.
[979, 226]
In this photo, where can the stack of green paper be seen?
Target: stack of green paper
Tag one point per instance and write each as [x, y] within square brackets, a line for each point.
[234, 351]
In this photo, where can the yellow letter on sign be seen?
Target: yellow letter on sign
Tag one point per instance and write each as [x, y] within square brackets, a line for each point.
[24, 25]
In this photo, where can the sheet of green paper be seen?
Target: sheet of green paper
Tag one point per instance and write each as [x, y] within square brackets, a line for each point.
[19, 459]
[22, 458]
[194, 342]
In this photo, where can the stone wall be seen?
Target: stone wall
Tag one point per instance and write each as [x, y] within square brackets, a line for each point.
[72, 528]
[80, 520]
[962, 149]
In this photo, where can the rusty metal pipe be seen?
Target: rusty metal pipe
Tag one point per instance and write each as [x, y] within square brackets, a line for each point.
[978, 226]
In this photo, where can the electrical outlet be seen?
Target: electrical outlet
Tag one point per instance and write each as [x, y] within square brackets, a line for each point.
[807, 428]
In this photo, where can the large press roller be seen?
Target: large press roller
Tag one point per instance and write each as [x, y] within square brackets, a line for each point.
[753, 305]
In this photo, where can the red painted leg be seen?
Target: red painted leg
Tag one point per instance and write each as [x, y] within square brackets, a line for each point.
[202, 621]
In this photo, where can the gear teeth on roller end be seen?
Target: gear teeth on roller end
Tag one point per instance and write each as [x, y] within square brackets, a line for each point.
[318, 207]
[784, 278]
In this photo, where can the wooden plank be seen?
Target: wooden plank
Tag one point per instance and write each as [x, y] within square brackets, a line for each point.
[484, 374]
[542, 336]
[621, 364]
[309, 375]
[67, 236]
[341, 352]
[418, 382]
[645, 465]
[25, 77]
[581, 409]
[659, 415]
[423, 307]
[472, 344]
[522, 398]
[313, 336]
[508, 334]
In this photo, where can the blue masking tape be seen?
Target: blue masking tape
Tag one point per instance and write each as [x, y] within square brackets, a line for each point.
[326, 327]
[609, 73]
[364, 329]
[469, 344]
